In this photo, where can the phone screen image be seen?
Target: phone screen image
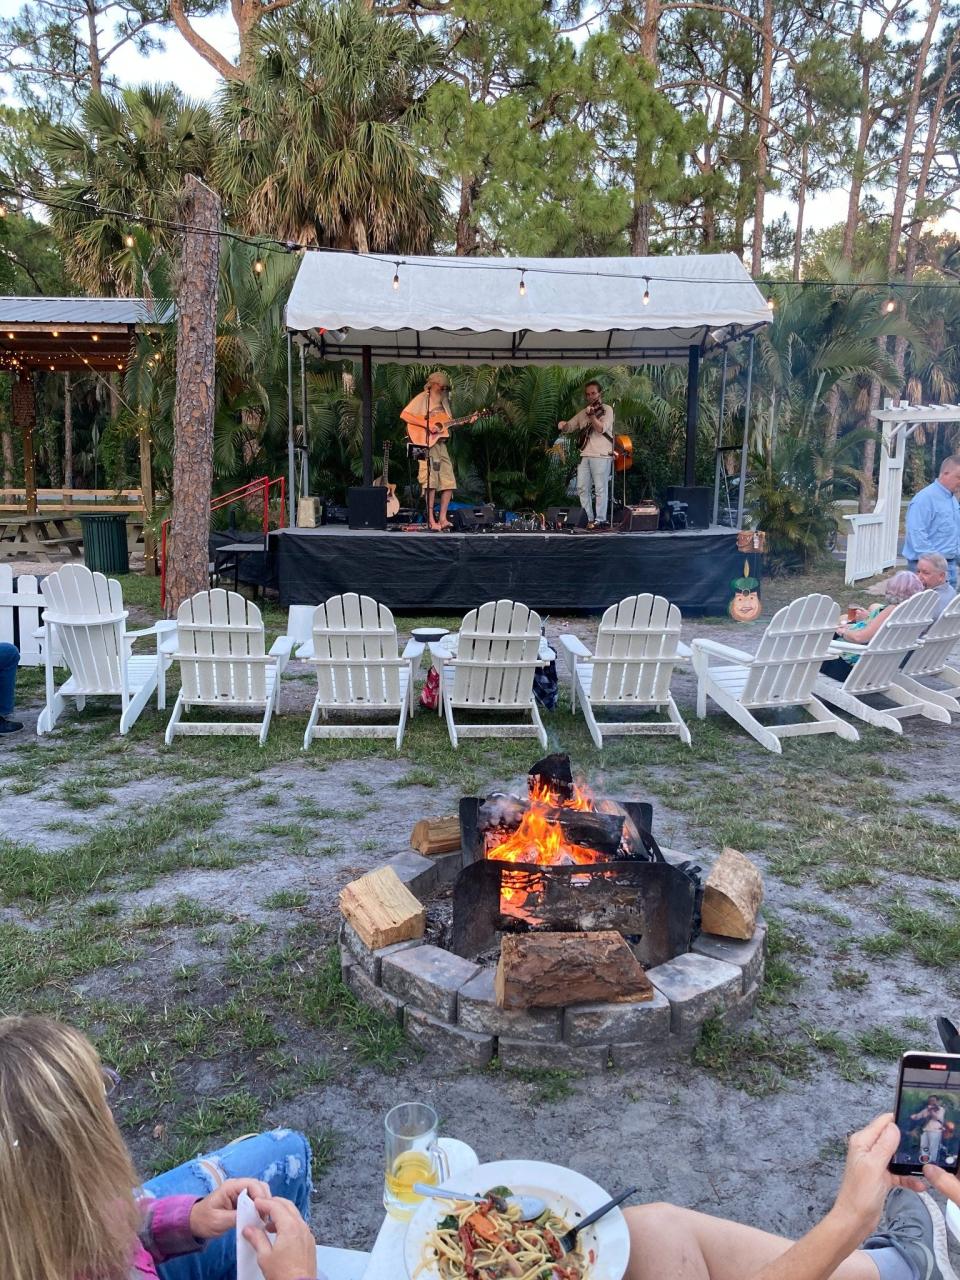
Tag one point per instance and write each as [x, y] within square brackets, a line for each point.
[928, 1113]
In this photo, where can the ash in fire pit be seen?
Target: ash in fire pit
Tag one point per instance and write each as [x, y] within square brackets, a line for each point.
[559, 860]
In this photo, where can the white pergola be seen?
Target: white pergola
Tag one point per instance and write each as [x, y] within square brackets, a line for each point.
[873, 538]
[587, 311]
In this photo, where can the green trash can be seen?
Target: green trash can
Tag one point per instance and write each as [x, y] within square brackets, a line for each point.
[105, 543]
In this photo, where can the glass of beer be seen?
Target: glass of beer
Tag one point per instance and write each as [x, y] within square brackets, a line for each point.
[412, 1156]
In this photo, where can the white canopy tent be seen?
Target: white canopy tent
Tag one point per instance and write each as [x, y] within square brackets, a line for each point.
[589, 311]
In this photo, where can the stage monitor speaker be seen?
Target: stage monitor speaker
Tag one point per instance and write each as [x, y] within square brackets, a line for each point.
[572, 517]
[699, 500]
[469, 519]
[644, 517]
[367, 507]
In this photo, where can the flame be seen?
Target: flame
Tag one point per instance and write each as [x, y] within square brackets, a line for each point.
[539, 841]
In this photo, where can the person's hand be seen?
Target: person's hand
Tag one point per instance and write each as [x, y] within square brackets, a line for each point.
[561, 426]
[947, 1184]
[216, 1214]
[292, 1254]
[866, 1178]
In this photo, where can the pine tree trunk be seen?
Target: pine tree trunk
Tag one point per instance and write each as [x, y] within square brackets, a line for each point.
[93, 49]
[763, 133]
[857, 169]
[187, 552]
[642, 206]
[6, 440]
[802, 191]
[67, 432]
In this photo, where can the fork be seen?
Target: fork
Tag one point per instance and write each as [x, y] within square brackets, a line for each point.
[569, 1238]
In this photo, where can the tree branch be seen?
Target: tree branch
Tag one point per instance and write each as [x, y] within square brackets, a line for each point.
[201, 46]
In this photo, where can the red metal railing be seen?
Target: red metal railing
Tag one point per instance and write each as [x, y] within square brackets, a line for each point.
[255, 487]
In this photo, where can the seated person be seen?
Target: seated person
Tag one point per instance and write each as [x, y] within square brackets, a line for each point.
[69, 1208]
[867, 622]
[9, 661]
[932, 570]
[668, 1243]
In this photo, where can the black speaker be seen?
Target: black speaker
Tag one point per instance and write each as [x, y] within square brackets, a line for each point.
[699, 500]
[572, 517]
[469, 519]
[367, 507]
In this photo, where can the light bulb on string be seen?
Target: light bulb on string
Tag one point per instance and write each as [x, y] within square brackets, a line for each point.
[889, 306]
[396, 275]
[523, 283]
[3, 209]
[646, 291]
[771, 303]
[94, 337]
[129, 241]
[56, 333]
[258, 266]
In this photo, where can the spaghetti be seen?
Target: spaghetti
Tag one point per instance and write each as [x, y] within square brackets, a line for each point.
[489, 1241]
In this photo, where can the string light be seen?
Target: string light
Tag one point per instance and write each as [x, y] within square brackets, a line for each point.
[646, 292]
[889, 306]
[771, 303]
[3, 209]
[396, 275]
[258, 266]
[129, 241]
[56, 333]
[523, 283]
[94, 337]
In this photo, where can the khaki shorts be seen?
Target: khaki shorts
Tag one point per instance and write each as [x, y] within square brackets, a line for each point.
[441, 469]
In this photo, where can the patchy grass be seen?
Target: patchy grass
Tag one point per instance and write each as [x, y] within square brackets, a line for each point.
[757, 1061]
[286, 899]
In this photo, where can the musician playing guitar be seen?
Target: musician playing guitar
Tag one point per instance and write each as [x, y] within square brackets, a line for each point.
[594, 423]
[428, 420]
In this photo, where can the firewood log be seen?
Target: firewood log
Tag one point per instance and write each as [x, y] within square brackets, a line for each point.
[732, 896]
[554, 773]
[436, 835]
[382, 909]
[550, 969]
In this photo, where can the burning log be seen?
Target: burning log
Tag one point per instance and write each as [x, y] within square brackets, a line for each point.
[382, 909]
[431, 836]
[732, 896]
[550, 969]
[501, 812]
[552, 774]
[630, 833]
[501, 815]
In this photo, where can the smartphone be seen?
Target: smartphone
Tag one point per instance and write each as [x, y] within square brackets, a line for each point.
[927, 1112]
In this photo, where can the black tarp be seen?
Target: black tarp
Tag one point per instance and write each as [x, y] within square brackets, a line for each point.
[430, 573]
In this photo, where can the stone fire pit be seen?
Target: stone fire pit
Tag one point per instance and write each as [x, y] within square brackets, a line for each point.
[445, 1003]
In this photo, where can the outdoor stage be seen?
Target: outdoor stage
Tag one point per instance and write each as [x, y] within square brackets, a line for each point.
[550, 572]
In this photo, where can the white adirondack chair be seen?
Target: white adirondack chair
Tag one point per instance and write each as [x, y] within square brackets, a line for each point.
[84, 629]
[637, 649]
[354, 651]
[877, 669]
[931, 659]
[781, 674]
[497, 657]
[221, 651]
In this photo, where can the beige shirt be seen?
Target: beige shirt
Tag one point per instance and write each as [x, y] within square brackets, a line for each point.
[599, 444]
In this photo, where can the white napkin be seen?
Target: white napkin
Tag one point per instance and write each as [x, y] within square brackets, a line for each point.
[248, 1268]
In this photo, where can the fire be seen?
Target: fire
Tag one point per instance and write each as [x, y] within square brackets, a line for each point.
[540, 841]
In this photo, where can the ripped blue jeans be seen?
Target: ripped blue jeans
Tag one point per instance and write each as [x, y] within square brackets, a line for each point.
[280, 1158]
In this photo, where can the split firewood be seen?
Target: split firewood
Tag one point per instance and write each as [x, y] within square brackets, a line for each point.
[554, 774]
[382, 909]
[436, 835]
[732, 896]
[550, 969]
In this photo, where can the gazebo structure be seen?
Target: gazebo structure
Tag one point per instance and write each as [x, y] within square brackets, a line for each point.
[515, 311]
[68, 335]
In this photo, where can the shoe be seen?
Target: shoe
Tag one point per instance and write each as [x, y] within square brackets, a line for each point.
[9, 726]
[914, 1226]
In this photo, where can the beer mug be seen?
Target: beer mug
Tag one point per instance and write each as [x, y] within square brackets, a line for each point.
[412, 1155]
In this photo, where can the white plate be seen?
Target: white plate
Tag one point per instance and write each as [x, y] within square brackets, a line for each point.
[568, 1194]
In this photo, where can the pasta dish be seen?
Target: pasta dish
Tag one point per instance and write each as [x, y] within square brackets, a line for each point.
[488, 1241]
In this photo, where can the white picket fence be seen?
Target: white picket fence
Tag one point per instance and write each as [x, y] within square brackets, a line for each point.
[20, 599]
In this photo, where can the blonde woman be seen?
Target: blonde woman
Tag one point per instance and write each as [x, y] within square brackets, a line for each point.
[68, 1209]
[429, 410]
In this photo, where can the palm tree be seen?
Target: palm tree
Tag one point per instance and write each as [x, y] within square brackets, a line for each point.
[315, 147]
[128, 152]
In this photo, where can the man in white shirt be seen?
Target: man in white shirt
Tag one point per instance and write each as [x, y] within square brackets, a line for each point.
[595, 424]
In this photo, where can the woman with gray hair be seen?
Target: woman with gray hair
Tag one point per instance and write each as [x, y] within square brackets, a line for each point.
[867, 622]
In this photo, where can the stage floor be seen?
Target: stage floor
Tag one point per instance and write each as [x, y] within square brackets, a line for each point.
[550, 572]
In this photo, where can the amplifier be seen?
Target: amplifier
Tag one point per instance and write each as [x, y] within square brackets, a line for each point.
[572, 517]
[367, 507]
[470, 519]
[642, 518]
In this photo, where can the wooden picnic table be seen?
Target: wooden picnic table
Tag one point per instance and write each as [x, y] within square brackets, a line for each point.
[35, 536]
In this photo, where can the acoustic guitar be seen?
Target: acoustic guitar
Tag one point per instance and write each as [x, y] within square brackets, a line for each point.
[383, 481]
[440, 426]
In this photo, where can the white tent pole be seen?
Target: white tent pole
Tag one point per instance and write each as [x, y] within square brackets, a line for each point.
[291, 500]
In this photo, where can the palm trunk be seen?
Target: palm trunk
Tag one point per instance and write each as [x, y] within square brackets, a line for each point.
[195, 403]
